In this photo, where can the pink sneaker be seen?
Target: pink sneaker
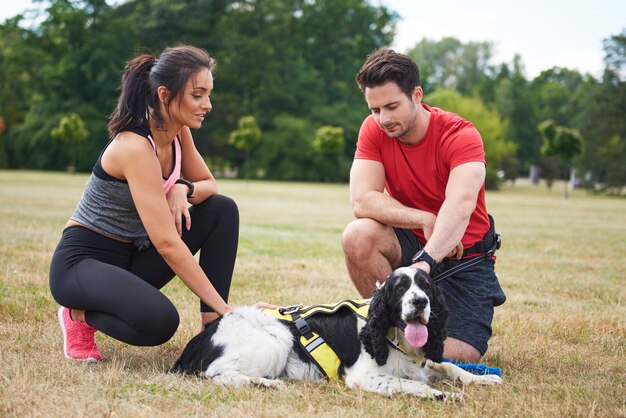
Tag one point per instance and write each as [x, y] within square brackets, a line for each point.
[79, 342]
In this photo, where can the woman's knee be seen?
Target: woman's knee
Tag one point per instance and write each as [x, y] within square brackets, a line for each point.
[221, 204]
[162, 327]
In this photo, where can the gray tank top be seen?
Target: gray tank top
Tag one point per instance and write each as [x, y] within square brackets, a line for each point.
[107, 206]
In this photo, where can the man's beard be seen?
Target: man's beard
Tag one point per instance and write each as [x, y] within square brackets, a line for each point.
[396, 134]
[404, 128]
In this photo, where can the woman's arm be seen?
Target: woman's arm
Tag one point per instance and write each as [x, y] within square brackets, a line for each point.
[140, 167]
[194, 170]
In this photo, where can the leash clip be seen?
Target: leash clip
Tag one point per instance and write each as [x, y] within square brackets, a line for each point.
[496, 246]
[287, 310]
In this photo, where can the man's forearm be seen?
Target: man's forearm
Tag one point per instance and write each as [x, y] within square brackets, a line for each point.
[452, 221]
[386, 210]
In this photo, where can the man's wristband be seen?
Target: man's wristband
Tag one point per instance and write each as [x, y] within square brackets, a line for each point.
[422, 255]
[188, 184]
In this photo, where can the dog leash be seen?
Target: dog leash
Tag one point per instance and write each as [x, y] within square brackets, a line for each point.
[471, 262]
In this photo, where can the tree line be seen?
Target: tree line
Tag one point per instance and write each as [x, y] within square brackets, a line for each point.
[286, 105]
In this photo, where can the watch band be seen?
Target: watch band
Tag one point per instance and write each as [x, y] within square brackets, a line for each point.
[422, 255]
[188, 184]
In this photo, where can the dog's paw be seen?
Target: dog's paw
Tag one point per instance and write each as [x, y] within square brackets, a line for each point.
[443, 395]
[488, 379]
[268, 383]
[232, 380]
[452, 396]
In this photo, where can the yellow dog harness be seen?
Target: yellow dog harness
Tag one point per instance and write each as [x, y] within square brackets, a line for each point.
[317, 348]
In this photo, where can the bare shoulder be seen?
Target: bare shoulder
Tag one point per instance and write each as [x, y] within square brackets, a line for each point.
[125, 149]
[130, 142]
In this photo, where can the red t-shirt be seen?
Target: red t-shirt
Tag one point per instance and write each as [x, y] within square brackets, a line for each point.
[417, 175]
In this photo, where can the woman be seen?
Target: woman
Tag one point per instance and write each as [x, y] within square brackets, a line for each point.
[132, 230]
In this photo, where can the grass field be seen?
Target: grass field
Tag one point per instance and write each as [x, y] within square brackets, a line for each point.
[560, 338]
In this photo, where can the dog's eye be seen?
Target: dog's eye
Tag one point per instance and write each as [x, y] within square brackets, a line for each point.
[402, 285]
[423, 284]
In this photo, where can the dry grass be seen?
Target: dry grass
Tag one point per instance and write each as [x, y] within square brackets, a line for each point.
[560, 339]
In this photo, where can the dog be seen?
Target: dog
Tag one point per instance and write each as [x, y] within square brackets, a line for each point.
[247, 346]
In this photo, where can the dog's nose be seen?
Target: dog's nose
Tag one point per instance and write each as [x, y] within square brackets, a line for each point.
[420, 304]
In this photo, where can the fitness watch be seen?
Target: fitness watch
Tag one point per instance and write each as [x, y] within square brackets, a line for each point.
[422, 255]
[188, 184]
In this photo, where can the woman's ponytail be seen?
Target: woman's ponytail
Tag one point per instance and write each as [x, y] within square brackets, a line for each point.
[136, 99]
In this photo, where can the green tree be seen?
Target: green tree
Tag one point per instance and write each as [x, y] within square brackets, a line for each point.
[71, 130]
[286, 152]
[71, 60]
[602, 122]
[488, 122]
[245, 137]
[562, 143]
[4, 161]
[274, 58]
[515, 104]
[329, 141]
[613, 155]
[556, 94]
[449, 63]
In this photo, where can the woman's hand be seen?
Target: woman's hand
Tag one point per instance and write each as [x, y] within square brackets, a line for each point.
[179, 208]
[265, 305]
[208, 317]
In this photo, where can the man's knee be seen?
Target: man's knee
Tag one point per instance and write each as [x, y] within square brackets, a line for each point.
[359, 236]
[458, 350]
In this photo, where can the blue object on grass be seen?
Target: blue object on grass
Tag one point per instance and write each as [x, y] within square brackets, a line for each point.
[476, 368]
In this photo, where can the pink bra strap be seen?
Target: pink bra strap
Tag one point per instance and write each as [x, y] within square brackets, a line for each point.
[169, 182]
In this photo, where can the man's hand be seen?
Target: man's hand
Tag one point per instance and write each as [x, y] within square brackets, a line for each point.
[421, 265]
[456, 252]
[429, 224]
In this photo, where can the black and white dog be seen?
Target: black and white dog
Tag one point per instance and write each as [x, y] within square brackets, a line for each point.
[248, 346]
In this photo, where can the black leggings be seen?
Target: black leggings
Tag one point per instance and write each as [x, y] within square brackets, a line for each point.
[118, 286]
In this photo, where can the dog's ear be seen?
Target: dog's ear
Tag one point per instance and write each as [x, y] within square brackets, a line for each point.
[433, 350]
[199, 352]
[373, 335]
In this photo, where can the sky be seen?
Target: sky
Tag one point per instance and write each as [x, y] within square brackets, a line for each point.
[545, 33]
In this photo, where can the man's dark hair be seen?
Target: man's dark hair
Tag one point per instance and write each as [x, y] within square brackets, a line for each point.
[385, 65]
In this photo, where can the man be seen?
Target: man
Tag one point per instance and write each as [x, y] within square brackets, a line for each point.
[433, 216]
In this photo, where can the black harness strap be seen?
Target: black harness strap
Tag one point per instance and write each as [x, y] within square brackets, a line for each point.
[488, 246]
[487, 242]
[302, 326]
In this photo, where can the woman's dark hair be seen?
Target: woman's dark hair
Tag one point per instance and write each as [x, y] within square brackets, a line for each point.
[385, 65]
[139, 101]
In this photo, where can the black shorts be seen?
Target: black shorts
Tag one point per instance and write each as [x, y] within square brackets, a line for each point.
[470, 294]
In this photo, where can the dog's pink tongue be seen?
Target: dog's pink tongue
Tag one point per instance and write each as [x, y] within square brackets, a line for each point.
[416, 334]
